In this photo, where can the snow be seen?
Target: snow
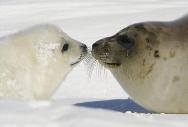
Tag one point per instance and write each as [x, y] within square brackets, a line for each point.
[83, 100]
[64, 113]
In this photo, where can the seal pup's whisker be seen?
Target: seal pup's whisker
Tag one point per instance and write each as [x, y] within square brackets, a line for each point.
[94, 66]
[90, 63]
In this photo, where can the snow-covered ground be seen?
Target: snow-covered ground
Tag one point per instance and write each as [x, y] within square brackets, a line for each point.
[82, 100]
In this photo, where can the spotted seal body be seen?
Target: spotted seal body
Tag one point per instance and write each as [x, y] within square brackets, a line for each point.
[150, 61]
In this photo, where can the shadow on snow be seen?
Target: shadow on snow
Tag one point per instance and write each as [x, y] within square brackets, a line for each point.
[120, 105]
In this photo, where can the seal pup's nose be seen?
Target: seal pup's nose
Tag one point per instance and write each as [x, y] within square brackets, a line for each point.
[83, 47]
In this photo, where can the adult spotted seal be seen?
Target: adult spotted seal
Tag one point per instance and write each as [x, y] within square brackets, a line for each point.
[34, 62]
[150, 61]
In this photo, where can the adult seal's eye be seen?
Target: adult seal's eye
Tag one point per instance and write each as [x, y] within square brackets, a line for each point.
[65, 47]
[125, 41]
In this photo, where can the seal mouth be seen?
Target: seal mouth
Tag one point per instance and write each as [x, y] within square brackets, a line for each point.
[72, 64]
[103, 60]
[112, 65]
[82, 56]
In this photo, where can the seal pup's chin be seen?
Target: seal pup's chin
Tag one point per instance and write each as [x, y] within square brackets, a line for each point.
[75, 63]
[82, 55]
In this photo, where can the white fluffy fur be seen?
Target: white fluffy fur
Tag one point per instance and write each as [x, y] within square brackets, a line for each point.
[32, 65]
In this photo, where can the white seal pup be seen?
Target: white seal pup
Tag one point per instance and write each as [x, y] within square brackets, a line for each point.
[35, 61]
[150, 61]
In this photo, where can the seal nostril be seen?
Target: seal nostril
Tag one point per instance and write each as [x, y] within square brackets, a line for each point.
[95, 45]
[83, 46]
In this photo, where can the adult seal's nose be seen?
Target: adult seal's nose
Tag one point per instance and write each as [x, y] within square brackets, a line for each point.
[95, 45]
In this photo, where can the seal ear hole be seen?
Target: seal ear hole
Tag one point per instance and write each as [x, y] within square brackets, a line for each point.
[65, 47]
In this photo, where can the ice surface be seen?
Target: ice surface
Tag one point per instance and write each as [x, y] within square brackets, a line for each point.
[97, 100]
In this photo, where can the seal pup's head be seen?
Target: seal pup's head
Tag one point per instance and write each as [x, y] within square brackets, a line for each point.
[51, 44]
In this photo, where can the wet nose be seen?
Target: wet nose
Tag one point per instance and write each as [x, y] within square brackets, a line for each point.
[95, 45]
[83, 47]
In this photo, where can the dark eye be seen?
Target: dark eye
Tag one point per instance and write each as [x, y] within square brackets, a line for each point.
[125, 41]
[65, 47]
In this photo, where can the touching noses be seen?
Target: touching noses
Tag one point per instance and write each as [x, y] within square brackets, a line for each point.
[83, 47]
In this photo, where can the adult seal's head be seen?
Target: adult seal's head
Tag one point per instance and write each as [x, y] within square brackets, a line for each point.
[35, 61]
[150, 61]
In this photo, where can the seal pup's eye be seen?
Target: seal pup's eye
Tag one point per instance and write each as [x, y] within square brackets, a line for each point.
[65, 47]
